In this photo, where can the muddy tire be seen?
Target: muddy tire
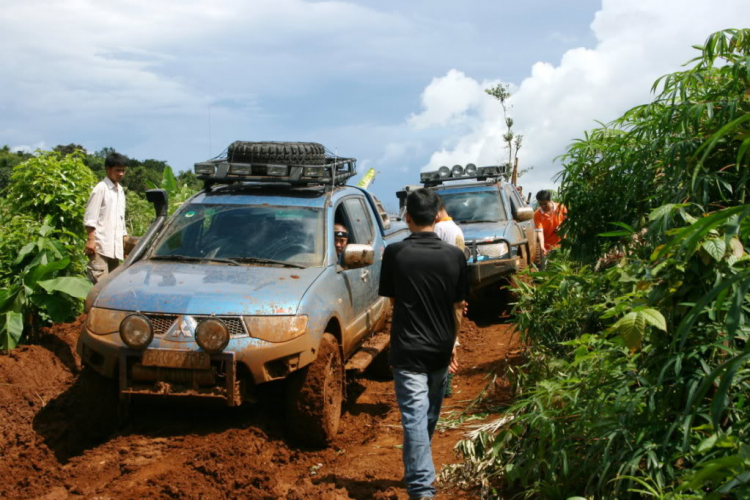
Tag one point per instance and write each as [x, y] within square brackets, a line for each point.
[315, 395]
[293, 153]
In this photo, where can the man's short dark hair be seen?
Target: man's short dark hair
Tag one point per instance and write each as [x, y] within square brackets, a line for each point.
[422, 206]
[116, 160]
[441, 205]
[544, 195]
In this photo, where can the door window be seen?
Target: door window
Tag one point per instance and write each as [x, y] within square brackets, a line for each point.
[360, 220]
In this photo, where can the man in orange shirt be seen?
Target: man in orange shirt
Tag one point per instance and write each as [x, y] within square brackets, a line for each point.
[547, 220]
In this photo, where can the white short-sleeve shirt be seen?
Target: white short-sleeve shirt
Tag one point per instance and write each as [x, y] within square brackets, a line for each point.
[449, 232]
[105, 212]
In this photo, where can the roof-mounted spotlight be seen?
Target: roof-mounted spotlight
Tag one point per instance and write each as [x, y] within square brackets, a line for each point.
[470, 169]
[457, 171]
[444, 172]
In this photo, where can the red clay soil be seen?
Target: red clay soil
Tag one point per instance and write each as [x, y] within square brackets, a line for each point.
[59, 437]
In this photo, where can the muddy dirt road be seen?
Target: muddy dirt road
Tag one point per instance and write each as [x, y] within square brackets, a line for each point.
[59, 437]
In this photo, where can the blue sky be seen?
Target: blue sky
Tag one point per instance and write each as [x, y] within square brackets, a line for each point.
[399, 85]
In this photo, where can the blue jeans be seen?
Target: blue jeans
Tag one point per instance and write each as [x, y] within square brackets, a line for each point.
[419, 397]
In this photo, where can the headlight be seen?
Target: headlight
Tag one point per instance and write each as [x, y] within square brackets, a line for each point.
[205, 168]
[212, 335]
[276, 328]
[136, 331]
[240, 169]
[105, 321]
[493, 250]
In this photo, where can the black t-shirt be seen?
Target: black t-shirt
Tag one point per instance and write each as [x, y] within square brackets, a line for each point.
[426, 277]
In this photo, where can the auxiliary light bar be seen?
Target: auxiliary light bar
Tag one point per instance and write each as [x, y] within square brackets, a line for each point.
[459, 172]
[223, 171]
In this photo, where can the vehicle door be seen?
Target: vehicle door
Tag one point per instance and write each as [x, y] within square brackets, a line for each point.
[362, 283]
[526, 228]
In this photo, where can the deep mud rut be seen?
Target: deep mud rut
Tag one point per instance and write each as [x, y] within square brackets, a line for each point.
[59, 436]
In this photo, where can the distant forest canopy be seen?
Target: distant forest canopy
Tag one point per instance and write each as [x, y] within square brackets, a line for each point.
[137, 177]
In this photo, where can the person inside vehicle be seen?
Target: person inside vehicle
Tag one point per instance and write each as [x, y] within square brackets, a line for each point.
[340, 238]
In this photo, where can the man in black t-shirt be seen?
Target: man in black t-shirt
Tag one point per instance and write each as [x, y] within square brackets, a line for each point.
[427, 280]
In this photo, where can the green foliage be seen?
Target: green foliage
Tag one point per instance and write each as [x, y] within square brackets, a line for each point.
[8, 160]
[637, 378]
[139, 213]
[56, 186]
[42, 290]
[177, 193]
[691, 145]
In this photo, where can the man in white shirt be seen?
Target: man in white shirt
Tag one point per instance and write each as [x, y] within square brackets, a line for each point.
[447, 230]
[105, 220]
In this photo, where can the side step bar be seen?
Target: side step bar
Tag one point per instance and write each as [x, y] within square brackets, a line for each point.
[368, 352]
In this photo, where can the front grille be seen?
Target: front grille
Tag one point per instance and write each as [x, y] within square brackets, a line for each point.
[234, 324]
[161, 323]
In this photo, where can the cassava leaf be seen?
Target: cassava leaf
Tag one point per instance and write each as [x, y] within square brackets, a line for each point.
[11, 329]
[73, 286]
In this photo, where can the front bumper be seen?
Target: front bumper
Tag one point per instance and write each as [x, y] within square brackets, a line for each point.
[244, 357]
[488, 272]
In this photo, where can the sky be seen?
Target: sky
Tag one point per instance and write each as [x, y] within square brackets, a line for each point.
[398, 85]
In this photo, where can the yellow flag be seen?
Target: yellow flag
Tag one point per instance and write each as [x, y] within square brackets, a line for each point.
[366, 179]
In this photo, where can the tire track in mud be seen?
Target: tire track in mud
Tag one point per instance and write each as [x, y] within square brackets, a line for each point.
[59, 437]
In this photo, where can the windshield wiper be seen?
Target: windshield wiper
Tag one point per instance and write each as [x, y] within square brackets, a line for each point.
[186, 258]
[261, 260]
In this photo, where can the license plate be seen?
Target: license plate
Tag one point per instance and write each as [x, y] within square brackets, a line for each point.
[176, 359]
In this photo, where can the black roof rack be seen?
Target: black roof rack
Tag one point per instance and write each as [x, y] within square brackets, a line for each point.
[334, 171]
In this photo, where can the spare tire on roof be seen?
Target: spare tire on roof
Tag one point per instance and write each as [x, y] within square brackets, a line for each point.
[286, 153]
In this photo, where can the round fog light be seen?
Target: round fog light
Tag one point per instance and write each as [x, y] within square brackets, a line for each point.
[212, 335]
[136, 331]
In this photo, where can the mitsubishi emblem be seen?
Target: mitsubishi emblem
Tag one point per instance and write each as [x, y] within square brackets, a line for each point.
[184, 327]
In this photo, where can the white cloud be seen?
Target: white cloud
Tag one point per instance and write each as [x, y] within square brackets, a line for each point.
[637, 41]
[25, 148]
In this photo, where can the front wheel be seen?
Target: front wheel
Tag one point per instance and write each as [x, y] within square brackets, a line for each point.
[315, 395]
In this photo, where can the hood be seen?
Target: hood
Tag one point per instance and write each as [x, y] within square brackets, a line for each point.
[205, 289]
[484, 230]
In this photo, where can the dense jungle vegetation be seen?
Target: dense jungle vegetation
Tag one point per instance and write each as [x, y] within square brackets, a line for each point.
[42, 200]
[635, 381]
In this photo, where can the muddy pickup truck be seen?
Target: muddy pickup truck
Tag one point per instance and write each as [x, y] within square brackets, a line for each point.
[242, 285]
[496, 221]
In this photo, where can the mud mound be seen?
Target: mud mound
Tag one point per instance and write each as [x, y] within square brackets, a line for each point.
[30, 377]
[61, 339]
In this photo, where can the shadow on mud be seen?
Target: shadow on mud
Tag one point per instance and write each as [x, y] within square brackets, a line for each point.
[86, 416]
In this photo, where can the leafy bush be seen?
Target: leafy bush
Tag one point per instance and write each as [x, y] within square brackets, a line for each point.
[637, 376]
[691, 144]
[53, 185]
[41, 292]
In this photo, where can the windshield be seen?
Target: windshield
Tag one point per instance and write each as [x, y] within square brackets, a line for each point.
[474, 206]
[245, 234]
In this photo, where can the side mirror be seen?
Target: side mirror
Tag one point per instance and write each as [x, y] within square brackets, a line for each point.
[356, 256]
[158, 197]
[524, 213]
